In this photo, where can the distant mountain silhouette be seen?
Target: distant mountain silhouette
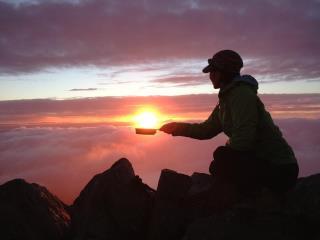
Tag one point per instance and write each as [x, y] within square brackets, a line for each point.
[116, 204]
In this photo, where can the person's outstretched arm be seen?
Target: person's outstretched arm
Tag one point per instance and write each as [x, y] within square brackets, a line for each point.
[205, 130]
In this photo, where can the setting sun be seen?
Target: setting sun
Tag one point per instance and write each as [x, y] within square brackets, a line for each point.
[146, 119]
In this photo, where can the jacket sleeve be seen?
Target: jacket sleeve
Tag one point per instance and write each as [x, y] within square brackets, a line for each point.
[205, 130]
[244, 114]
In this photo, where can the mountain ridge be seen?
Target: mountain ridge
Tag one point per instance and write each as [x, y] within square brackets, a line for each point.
[116, 204]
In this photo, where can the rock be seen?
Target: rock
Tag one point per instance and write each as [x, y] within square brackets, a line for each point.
[201, 182]
[305, 198]
[198, 195]
[245, 224]
[30, 211]
[114, 205]
[170, 213]
[304, 203]
[298, 218]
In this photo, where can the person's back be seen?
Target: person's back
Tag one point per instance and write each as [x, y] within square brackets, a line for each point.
[269, 144]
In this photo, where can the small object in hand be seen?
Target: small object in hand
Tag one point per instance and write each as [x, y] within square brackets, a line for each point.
[146, 131]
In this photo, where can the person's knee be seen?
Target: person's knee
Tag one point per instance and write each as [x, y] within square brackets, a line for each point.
[220, 160]
[212, 168]
[220, 152]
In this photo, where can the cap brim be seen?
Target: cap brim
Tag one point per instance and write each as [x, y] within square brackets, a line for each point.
[207, 69]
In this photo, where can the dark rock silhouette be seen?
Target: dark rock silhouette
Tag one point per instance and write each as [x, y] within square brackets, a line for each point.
[116, 204]
[242, 223]
[30, 211]
[297, 219]
[304, 203]
[169, 216]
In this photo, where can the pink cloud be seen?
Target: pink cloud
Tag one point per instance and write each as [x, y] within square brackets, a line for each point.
[303, 136]
[65, 158]
[281, 36]
[191, 107]
[181, 80]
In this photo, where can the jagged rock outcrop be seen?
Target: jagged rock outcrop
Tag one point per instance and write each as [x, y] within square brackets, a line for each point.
[114, 205]
[297, 219]
[201, 182]
[246, 223]
[30, 211]
[304, 203]
[305, 199]
[169, 215]
[181, 212]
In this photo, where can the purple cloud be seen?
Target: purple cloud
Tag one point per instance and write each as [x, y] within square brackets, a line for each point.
[182, 80]
[83, 89]
[280, 37]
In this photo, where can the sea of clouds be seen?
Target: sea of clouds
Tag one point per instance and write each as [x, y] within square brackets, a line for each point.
[64, 159]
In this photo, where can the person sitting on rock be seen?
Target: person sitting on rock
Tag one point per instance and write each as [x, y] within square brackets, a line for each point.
[256, 155]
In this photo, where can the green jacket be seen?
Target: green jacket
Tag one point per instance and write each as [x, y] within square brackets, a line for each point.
[241, 115]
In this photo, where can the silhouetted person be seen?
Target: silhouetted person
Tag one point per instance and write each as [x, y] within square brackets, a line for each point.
[256, 155]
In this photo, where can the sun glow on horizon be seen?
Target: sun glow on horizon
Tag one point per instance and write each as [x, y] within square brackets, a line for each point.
[147, 118]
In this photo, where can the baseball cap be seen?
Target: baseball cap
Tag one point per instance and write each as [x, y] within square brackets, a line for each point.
[226, 61]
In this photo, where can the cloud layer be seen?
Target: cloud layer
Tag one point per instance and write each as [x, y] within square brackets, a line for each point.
[63, 143]
[278, 37]
[65, 159]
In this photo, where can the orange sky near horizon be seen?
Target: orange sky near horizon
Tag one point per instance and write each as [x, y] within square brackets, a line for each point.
[122, 111]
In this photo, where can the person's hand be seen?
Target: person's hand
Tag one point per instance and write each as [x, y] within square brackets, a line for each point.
[169, 127]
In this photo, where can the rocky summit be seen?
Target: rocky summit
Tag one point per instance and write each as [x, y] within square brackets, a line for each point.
[116, 204]
[30, 211]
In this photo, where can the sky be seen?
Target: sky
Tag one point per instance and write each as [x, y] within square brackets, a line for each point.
[73, 73]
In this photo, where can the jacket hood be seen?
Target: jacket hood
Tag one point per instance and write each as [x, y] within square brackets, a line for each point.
[247, 79]
[239, 80]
